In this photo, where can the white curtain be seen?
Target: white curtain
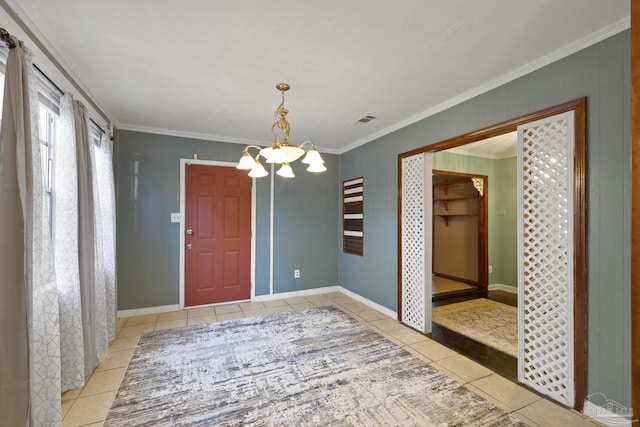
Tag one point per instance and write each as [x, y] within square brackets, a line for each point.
[95, 313]
[105, 215]
[66, 250]
[30, 345]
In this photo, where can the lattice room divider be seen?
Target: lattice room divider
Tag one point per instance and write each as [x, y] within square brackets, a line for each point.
[546, 253]
[416, 242]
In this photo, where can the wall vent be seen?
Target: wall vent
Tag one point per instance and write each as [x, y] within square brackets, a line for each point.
[365, 119]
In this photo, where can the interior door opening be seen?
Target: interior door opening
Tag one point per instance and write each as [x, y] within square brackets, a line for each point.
[575, 314]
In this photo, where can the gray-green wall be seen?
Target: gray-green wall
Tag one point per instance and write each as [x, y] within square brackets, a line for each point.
[502, 209]
[601, 73]
[148, 254]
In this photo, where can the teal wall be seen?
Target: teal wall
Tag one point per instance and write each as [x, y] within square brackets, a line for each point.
[148, 253]
[601, 73]
[502, 209]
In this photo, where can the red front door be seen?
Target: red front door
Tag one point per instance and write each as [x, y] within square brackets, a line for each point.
[217, 234]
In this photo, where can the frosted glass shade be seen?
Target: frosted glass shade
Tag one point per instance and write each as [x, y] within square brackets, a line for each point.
[312, 157]
[317, 167]
[258, 171]
[246, 162]
[286, 171]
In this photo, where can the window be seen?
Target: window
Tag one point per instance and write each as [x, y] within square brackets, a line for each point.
[49, 112]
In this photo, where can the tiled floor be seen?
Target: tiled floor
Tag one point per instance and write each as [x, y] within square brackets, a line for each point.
[89, 405]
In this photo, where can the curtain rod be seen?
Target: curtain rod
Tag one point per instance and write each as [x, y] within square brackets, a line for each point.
[6, 37]
[42, 73]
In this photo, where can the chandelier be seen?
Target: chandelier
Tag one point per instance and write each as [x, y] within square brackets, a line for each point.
[281, 151]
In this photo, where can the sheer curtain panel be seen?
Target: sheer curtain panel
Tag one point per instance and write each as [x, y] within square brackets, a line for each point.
[29, 337]
[66, 251]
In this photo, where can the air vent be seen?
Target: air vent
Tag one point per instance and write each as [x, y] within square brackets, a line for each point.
[365, 119]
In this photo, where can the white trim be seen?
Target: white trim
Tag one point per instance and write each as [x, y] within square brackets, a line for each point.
[536, 64]
[292, 294]
[316, 291]
[148, 310]
[271, 227]
[353, 233]
[382, 309]
[505, 288]
[183, 163]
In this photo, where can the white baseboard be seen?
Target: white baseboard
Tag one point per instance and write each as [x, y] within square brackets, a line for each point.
[382, 309]
[293, 294]
[148, 310]
[501, 287]
[173, 307]
[605, 416]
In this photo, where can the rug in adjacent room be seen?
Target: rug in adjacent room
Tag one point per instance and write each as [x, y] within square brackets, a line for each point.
[310, 367]
[489, 322]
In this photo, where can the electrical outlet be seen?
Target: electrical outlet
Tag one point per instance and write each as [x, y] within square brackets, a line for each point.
[491, 269]
[175, 217]
[296, 274]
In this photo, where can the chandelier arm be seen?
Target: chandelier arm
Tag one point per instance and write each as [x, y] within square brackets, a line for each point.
[308, 141]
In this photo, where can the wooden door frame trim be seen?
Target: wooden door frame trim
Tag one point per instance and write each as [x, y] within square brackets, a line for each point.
[578, 106]
[483, 226]
[635, 207]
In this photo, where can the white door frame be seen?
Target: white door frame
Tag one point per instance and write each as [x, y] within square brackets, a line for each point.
[183, 164]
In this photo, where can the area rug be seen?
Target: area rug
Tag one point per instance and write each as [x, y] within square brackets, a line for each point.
[314, 367]
[489, 322]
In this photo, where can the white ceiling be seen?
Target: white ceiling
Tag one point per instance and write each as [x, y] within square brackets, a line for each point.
[208, 69]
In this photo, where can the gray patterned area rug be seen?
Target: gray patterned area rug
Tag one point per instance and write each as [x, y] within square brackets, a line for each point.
[489, 322]
[316, 367]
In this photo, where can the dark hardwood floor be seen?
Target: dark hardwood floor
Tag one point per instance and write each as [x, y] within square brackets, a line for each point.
[501, 363]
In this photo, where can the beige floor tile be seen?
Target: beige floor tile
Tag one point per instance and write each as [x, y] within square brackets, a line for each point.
[227, 308]
[120, 321]
[124, 343]
[323, 303]
[90, 409]
[393, 339]
[302, 306]
[465, 368]
[172, 315]
[131, 331]
[433, 350]
[230, 316]
[278, 309]
[200, 312]
[525, 420]
[387, 325]
[408, 336]
[319, 298]
[370, 315]
[251, 306]
[115, 359]
[71, 394]
[66, 405]
[170, 324]
[200, 320]
[257, 311]
[103, 381]
[357, 307]
[297, 300]
[418, 354]
[507, 392]
[546, 413]
[275, 303]
[448, 373]
[141, 320]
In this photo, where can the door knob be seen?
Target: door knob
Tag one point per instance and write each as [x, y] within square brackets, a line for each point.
[189, 231]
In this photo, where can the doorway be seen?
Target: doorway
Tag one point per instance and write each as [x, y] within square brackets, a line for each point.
[554, 151]
[216, 245]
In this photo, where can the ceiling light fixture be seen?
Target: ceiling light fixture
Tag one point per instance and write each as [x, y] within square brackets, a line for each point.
[281, 151]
